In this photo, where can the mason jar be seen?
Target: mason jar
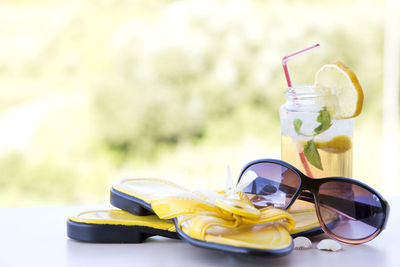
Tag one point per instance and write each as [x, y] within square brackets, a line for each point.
[313, 141]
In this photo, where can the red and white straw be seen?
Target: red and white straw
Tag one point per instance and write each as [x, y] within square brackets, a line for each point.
[285, 60]
[289, 83]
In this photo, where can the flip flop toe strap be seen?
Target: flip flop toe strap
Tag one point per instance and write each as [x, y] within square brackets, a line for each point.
[197, 216]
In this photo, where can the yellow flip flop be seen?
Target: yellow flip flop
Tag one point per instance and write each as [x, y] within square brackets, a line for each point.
[207, 219]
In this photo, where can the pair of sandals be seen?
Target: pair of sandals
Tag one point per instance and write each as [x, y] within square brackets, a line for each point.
[225, 221]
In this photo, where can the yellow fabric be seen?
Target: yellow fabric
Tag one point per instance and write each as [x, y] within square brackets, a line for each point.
[148, 189]
[120, 217]
[238, 207]
[260, 236]
[200, 218]
[171, 207]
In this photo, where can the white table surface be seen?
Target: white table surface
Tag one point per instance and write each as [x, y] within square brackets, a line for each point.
[37, 237]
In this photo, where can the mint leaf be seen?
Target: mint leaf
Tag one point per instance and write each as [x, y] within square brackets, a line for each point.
[312, 155]
[324, 118]
[297, 125]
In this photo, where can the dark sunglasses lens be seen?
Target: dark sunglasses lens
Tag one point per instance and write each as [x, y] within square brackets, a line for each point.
[269, 184]
[350, 211]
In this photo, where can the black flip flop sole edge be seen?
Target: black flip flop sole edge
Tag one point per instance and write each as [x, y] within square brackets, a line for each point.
[113, 233]
[130, 203]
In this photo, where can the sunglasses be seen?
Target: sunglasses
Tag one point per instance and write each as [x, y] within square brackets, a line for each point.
[347, 210]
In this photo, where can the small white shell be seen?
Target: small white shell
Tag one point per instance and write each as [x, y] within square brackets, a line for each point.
[329, 244]
[302, 242]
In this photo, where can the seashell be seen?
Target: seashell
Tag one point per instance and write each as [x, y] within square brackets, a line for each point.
[329, 244]
[302, 242]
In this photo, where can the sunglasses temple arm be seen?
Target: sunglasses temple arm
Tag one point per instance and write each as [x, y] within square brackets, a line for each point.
[363, 209]
[364, 212]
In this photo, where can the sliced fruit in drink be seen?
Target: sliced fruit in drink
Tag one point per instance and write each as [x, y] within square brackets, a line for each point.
[338, 144]
[341, 89]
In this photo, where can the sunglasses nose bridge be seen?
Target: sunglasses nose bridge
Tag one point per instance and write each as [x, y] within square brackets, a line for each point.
[308, 184]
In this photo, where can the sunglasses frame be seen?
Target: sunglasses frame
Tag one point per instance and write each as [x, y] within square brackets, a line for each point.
[312, 185]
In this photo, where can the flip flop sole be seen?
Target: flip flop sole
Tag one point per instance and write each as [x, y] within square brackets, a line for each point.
[232, 249]
[113, 233]
[130, 203]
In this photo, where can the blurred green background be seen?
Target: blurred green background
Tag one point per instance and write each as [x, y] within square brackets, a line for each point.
[95, 90]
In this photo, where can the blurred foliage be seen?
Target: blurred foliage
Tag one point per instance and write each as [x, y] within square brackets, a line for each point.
[169, 88]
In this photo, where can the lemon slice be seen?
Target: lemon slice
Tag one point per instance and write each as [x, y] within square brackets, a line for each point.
[338, 144]
[341, 90]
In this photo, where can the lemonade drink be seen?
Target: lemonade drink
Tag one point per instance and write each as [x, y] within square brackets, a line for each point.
[333, 145]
